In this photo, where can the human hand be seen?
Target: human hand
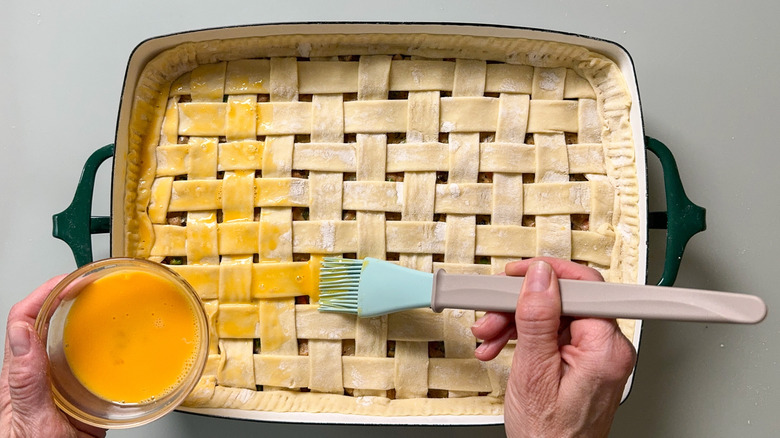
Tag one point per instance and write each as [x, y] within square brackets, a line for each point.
[26, 405]
[568, 374]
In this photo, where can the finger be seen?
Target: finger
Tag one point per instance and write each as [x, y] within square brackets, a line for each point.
[492, 325]
[28, 380]
[537, 319]
[598, 350]
[490, 348]
[27, 309]
[563, 269]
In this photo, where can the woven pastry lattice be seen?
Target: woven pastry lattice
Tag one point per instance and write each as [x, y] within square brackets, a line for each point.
[265, 165]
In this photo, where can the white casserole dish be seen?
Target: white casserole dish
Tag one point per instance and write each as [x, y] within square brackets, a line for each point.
[148, 49]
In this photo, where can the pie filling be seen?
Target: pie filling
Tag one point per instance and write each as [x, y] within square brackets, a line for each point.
[251, 159]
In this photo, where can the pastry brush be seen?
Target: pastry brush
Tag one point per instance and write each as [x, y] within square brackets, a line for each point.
[372, 287]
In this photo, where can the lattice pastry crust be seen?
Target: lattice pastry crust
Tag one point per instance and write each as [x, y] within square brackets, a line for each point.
[250, 159]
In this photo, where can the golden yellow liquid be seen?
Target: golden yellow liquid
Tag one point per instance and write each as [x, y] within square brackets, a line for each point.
[131, 336]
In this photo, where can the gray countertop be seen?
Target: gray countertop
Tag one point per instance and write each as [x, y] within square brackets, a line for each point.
[707, 74]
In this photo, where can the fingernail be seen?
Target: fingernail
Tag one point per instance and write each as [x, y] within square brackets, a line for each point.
[537, 279]
[19, 339]
[480, 348]
[478, 323]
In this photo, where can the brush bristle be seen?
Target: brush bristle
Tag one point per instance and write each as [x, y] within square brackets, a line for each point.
[339, 280]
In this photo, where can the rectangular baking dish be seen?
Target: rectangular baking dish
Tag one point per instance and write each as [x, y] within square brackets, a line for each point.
[74, 225]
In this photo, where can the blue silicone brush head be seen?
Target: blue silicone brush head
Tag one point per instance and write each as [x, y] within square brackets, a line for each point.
[339, 281]
[371, 287]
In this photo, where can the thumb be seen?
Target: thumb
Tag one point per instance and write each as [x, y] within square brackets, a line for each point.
[28, 380]
[538, 313]
[537, 320]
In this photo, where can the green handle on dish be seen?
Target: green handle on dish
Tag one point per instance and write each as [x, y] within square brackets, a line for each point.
[682, 218]
[75, 225]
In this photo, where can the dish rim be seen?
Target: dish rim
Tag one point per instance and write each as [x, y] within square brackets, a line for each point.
[150, 47]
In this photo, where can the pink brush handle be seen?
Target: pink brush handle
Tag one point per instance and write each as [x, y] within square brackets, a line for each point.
[598, 299]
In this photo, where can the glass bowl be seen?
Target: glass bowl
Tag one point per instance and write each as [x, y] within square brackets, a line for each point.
[70, 393]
